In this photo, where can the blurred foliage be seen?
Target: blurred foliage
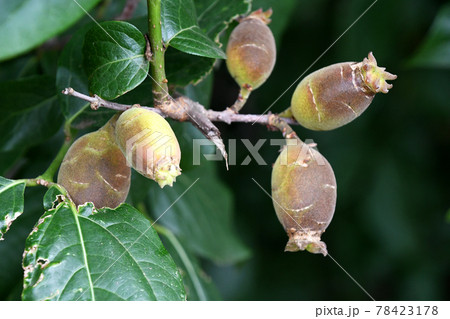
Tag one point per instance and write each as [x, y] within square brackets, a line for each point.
[391, 228]
[435, 51]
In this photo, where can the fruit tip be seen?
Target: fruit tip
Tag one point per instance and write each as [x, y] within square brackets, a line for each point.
[264, 16]
[306, 240]
[167, 175]
[374, 76]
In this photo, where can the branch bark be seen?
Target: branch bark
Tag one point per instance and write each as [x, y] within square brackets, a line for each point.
[193, 111]
[184, 109]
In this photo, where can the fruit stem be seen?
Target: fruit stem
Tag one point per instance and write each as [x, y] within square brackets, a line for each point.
[53, 168]
[286, 113]
[157, 68]
[264, 16]
[38, 181]
[286, 129]
[244, 93]
[46, 179]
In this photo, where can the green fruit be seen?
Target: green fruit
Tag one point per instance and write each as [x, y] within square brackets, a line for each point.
[337, 94]
[251, 51]
[149, 144]
[95, 170]
[304, 196]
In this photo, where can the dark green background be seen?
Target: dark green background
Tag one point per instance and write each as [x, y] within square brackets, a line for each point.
[390, 231]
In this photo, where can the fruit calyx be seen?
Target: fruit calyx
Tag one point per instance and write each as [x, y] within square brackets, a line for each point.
[305, 240]
[373, 76]
[264, 16]
[166, 173]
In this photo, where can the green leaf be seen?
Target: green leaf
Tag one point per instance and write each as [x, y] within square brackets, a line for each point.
[140, 95]
[181, 30]
[51, 198]
[97, 118]
[27, 23]
[199, 285]
[11, 249]
[105, 254]
[201, 216]
[30, 113]
[11, 202]
[71, 74]
[435, 50]
[202, 91]
[114, 58]
[183, 69]
[215, 16]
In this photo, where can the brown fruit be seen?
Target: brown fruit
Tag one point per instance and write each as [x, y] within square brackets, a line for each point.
[95, 170]
[149, 144]
[251, 51]
[304, 196]
[337, 94]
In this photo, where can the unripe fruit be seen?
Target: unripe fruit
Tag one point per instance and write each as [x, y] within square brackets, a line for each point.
[95, 170]
[149, 144]
[304, 196]
[251, 51]
[337, 94]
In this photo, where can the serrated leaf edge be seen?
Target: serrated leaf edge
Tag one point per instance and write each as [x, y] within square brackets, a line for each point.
[10, 218]
[226, 24]
[31, 266]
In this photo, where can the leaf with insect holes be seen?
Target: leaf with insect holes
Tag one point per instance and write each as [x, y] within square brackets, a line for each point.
[104, 254]
[11, 202]
[114, 58]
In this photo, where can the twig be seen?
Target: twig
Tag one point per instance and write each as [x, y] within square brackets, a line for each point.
[228, 117]
[46, 179]
[244, 93]
[195, 110]
[33, 182]
[157, 68]
[128, 10]
[283, 126]
[97, 101]
[184, 109]
[49, 174]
